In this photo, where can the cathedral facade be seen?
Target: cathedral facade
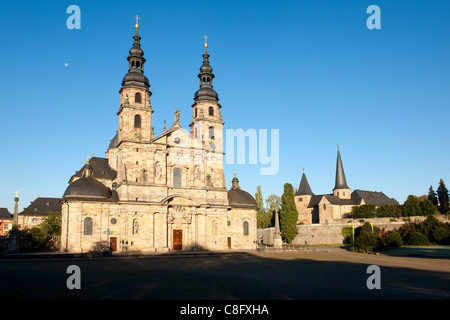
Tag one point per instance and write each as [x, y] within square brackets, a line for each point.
[158, 193]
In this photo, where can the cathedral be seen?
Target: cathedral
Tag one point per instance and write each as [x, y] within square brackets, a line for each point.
[158, 193]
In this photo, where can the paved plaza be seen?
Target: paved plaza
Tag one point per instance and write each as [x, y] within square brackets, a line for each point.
[310, 273]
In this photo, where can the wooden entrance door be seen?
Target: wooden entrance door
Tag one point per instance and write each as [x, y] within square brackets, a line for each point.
[113, 243]
[177, 239]
[229, 242]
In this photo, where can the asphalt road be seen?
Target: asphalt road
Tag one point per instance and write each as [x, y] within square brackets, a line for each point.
[328, 273]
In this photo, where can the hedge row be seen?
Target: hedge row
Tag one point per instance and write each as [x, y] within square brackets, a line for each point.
[429, 231]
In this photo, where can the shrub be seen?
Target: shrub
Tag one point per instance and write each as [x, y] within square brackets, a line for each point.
[347, 234]
[366, 227]
[417, 239]
[368, 241]
[406, 229]
[384, 211]
[364, 211]
[394, 239]
[441, 234]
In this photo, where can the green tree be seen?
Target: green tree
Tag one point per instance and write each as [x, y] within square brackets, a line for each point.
[432, 195]
[51, 224]
[273, 202]
[384, 210]
[260, 214]
[363, 211]
[288, 214]
[442, 194]
[427, 207]
[411, 207]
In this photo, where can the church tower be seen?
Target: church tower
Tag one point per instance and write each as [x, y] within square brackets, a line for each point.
[207, 125]
[302, 199]
[341, 189]
[135, 116]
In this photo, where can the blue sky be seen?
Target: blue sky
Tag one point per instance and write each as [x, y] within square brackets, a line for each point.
[311, 69]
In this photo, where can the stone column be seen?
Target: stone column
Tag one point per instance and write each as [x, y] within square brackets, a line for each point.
[16, 211]
[277, 241]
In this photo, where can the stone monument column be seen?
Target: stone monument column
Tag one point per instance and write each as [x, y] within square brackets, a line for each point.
[16, 211]
[277, 241]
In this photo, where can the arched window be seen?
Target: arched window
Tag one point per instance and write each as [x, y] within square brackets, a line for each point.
[137, 97]
[88, 226]
[177, 178]
[211, 111]
[137, 121]
[138, 64]
[245, 226]
[211, 132]
[195, 112]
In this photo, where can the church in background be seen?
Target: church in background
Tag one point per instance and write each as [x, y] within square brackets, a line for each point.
[158, 193]
[329, 208]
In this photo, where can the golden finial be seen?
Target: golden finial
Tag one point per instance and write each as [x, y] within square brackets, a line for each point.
[137, 21]
[235, 174]
[87, 160]
[206, 44]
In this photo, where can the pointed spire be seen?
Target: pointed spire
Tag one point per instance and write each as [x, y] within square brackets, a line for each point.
[341, 183]
[206, 76]
[304, 188]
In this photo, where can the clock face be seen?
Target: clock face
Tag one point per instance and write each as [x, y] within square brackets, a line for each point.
[138, 135]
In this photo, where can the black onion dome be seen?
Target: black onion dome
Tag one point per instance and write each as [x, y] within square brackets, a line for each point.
[137, 79]
[206, 91]
[136, 61]
[240, 198]
[206, 94]
[87, 187]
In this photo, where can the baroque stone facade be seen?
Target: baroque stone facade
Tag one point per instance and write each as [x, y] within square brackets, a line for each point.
[158, 193]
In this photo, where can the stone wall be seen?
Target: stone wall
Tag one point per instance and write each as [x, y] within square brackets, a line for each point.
[332, 233]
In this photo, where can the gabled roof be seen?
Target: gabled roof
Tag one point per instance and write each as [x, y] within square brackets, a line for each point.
[5, 214]
[372, 197]
[369, 197]
[42, 206]
[333, 200]
[100, 169]
[187, 141]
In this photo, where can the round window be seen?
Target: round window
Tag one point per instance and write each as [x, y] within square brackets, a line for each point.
[113, 221]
